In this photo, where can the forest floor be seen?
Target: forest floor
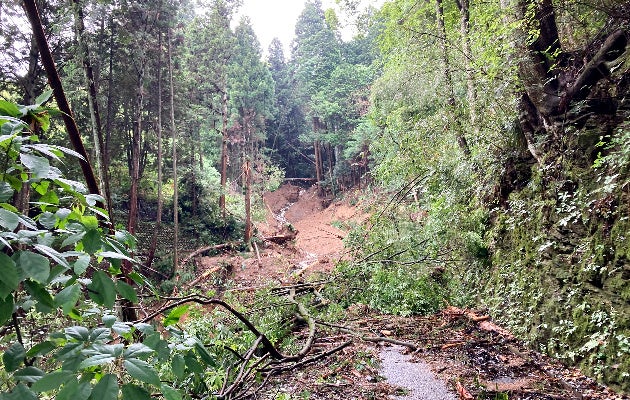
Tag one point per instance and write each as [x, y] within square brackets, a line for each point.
[472, 356]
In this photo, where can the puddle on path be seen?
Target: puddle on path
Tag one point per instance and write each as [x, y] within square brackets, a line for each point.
[416, 379]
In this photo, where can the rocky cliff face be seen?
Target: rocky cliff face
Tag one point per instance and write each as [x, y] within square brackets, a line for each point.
[560, 241]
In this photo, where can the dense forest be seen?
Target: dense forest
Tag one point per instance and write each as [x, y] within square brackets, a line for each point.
[489, 143]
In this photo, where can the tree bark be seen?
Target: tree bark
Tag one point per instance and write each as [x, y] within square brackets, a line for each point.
[136, 139]
[553, 82]
[158, 218]
[174, 137]
[62, 102]
[446, 70]
[224, 152]
[95, 116]
[110, 105]
[471, 93]
[247, 173]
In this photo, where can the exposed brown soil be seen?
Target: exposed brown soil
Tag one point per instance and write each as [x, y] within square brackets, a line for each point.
[474, 357]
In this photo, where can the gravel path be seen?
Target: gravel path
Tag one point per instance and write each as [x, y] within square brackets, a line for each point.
[417, 378]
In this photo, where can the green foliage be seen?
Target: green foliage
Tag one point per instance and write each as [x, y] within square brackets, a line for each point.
[62, 272]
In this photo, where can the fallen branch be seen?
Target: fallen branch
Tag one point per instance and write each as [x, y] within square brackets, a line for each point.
[195, 253]
[373, 339]
[269, 347]
[481, 320]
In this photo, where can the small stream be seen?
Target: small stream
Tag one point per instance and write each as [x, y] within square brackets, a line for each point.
[415, 378]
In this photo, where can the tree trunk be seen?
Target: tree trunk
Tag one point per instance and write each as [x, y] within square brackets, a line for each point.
[158, 218]
[174, 136]
[60, 96]
[95, 116]
[136, 139]
[446, 70]
[247, 173]
[557, 86]
[110, 106]
[471, 93]
[224, 152]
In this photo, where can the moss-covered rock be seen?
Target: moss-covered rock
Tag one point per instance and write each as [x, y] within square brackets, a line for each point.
[559, 271]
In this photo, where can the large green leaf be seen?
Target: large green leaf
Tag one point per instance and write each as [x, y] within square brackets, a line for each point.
[6, 308]
[9, 220]
[100, 335]
[9, 278]
[102, 289]
[138, 350]
[169, 393]
[13, 357]
[10, 109]
[52, 253]
[34, 265]
[142, 371]
[81, 265]
[106, 388]
[20, 392]
[192, 363]
[179, 366]
[80, 333]
[92, 241]
[73, 390]
[48, 220]
[126, 291]
[42, 98]
[39, 166]
[29, 374]
[133, 392]
[97, 359]
[41, 348]
[68, 297]
[45, 301]
[204, 355]
[176, 313]
[6, 191]
[52, 381]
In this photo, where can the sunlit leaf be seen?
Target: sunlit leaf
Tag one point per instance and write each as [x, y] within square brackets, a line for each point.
[175, 314]
[97, 359]
[10, 109]
[42, 98]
